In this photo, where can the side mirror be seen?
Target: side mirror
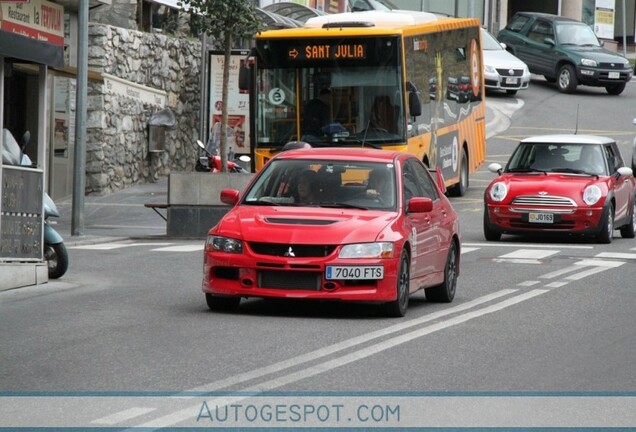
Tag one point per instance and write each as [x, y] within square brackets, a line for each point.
[625, 171]
[229, 196]
[495, 168]
[200, 144]
[415, 104]
[26, 137]
[420, 205]
[549, 41]
[503, 45]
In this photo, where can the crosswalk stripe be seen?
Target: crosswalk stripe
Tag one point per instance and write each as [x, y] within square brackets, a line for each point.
[616, 255]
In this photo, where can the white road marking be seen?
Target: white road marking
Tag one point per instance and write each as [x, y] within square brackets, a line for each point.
[556, 284]
[115, 245]
[528, 283]
[184, 414]
[122, 416]
[180, 248]
[468, 249]
[616, 255]
[529, 254]
[526, 245]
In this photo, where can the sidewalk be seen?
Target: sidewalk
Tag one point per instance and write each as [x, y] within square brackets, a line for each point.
[119, 215]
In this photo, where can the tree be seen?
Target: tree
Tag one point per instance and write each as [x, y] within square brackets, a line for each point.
[226, 21]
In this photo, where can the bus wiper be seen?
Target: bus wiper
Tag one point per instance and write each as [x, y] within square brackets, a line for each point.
[357, 141]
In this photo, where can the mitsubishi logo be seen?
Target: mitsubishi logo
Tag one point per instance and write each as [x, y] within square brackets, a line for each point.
[289, 253]
[540, 193]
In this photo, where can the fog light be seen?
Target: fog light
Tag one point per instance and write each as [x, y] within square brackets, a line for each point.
[587, 72]
[495, 210]
[589, 213]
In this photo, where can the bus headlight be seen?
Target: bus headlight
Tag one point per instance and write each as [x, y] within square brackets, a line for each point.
[367, 250]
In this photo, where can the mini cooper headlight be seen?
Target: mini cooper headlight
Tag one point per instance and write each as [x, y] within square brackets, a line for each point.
[498, 191]
[588, 62]
[223, 244]
[367, 250]
[591, 194]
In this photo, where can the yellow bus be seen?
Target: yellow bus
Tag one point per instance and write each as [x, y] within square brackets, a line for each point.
[396, 80]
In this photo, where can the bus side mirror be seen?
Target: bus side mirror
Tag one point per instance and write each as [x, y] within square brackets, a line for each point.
[415, 104]
[245, 77]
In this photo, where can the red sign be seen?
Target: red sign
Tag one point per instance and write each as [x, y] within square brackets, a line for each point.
[37, 19]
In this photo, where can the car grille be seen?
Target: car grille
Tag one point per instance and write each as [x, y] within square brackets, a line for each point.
[611, 65]
[291, 250]
[506, 72]
[605, 76]
[285, 280]
[562, 225]
[543, 200]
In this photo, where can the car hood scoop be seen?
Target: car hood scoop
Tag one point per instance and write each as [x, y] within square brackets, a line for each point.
[289, 221]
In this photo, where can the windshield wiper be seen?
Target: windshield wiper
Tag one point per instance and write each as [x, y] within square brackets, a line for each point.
[333, 204]
[574, 171]
[526, 170]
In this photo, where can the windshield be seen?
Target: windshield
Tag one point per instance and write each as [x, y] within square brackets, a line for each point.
[576, 34]
[330, 93]
[488, 42]
[564, 158]
[319, 183]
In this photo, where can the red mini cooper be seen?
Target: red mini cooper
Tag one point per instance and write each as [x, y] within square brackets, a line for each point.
[335, 224]
[562, 184]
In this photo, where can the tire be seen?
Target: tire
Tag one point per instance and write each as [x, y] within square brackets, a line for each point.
[221, 303]
[445, 292]
[567, 80]
[615, 89]
[460, 188]
[56, 258]
[489, 233]
[629, 230]
[606, 226]
[549, 79]
[511, 92]
[398, 307]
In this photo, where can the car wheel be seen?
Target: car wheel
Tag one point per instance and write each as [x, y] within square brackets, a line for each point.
[460, 188]
[220, 303]
[567, 81]
[446, 291]
[511, 92]
[398, 307]
[549, 79]
[629, 230]
[56, 258]
[607, 225]
[489, 233]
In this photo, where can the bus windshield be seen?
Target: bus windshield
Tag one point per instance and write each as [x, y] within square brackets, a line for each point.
[337, 93]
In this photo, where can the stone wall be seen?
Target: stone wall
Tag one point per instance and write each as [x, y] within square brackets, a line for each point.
[117, 153]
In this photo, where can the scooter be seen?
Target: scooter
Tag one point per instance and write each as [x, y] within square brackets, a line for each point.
[54, 251]
[209, 162]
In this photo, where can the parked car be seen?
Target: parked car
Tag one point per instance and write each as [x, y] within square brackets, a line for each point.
[502, 70]
[576, 184]
[347, 238]
[565, 51]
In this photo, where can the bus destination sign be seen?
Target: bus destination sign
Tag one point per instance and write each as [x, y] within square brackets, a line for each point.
[325, 51]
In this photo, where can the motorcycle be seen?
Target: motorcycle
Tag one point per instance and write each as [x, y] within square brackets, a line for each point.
[54, 251]
[209, 162]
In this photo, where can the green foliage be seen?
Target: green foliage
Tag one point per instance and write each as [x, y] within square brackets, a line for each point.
[223, 18]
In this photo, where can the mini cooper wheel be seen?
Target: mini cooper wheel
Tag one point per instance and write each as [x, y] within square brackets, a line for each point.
[222, 303]
[606, 225]
[398, 307]
[489, 233]
[629, 230]
[446, 291]
[567, 81]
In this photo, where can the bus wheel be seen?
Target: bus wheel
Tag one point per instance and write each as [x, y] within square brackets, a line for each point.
[459, 189]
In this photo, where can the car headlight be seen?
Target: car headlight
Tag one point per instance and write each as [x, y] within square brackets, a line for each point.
[592, 194]
[498, 191]
[223, 244]
[489, 69]
[588, 62]
[367, 250]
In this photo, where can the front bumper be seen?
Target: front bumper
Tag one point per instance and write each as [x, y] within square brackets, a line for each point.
[514, 219]
[247, 275]
[601, 77]
[496, 81]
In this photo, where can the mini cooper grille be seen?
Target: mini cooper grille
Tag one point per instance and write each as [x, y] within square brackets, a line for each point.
[296, 250]
[285, 280]
[543, 200]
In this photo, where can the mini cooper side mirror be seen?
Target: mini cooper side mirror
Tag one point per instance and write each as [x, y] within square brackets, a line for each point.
[495, 168]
